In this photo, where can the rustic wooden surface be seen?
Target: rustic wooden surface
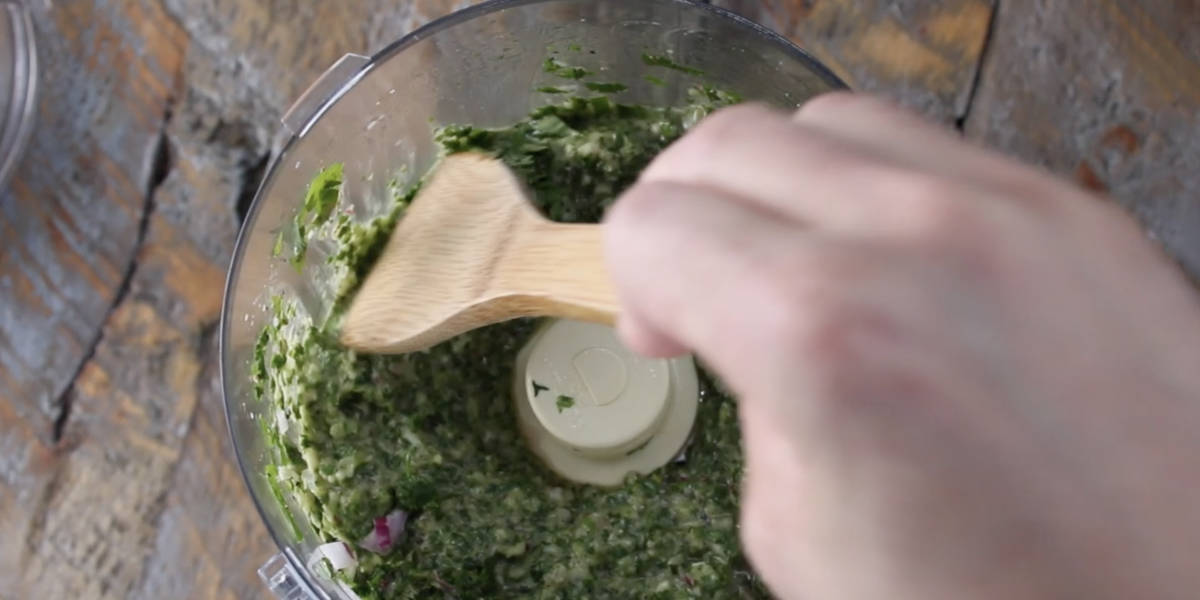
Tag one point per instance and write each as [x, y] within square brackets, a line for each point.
[923, 54]
[157, 119]
[1106, 92]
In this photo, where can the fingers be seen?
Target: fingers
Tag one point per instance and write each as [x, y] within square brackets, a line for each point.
[675, 252]
[845, 164]
[760, 157]
[908, 138]
[890, 130]
[802, 175]
[697, 269]
[644, 338]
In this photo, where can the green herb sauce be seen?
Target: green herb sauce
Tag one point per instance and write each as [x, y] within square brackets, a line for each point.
[434, 433]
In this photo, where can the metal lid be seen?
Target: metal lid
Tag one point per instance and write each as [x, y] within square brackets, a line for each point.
[18, 84]
[594, 411]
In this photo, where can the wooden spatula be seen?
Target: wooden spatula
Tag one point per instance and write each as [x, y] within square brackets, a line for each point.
[471, 251]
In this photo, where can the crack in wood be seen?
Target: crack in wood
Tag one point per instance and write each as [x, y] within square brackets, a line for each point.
[960, 120]
[161, 164]
[252, 176]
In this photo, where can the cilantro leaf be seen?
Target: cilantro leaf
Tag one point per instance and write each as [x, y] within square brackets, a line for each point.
[564, 402]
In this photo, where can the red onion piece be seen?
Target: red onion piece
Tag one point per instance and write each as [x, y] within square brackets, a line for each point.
[383, 533]
[386, 530]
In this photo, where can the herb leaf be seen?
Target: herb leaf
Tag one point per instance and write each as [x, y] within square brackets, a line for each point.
[564, 402]
[655, 60]
[319, 202]
[605, 88]
[565, 71]
[322, 194]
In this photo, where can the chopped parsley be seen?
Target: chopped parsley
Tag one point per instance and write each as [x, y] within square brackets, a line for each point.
[564, 402]
[319, 202]
[606, 88]
[353, 436]
[555, 67]
[655, 60]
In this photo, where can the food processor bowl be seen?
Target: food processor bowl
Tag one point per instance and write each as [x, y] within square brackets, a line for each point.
[18, 84]
[480, 66]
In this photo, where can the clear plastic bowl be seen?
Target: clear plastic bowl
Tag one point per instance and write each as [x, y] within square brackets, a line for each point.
[478, 66]
[18, 84]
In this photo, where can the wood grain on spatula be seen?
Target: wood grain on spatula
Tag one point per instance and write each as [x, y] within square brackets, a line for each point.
[471, 251]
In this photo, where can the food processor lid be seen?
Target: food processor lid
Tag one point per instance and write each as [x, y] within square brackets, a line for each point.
[18, 83]
[594, 411]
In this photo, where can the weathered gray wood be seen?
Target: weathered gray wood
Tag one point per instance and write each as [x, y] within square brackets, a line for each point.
[141, 497]
[919, 53]
[70, 222]
[70, 217]
[1106, 92]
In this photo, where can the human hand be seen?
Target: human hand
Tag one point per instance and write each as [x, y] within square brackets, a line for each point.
[958, 376]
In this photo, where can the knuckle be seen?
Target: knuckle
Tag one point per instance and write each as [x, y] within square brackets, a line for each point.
[638, 206]
[732, 119]
[840, 105]
[827, 104]
[716, 134]
[709, 149]
[828, 336]
[643, 214]
[913, 190]
[807, 311]
[933, 209]
[813, 316]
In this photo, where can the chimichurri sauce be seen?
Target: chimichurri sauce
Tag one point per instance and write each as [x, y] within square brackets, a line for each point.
[434, 434]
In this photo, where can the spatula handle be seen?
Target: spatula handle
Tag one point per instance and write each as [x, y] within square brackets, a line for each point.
[565, 263]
